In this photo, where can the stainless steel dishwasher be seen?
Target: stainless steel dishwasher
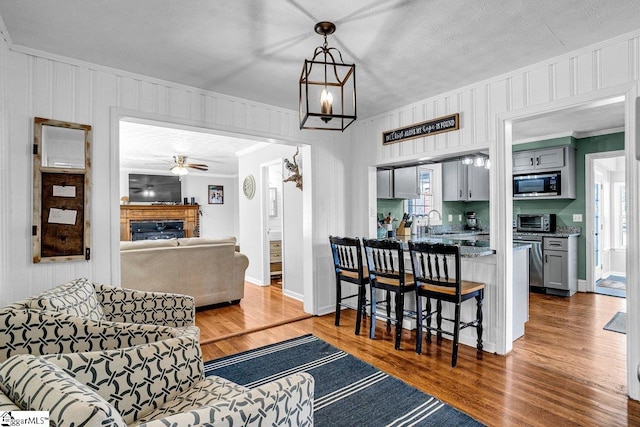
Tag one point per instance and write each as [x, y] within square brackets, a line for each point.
[535, 258]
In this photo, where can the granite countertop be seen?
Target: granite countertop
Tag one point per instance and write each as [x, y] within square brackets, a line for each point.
[468, 249]
[561, 231]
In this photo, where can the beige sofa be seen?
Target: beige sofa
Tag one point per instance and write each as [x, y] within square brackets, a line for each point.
[210, 270]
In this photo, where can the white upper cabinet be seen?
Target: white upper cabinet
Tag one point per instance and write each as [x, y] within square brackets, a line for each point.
[406, 183]
[464, 182]
[545, 159]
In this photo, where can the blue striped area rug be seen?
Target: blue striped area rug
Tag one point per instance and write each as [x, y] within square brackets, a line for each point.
[348, 391]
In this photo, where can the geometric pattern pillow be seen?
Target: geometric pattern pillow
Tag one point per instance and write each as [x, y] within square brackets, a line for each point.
[287, 401]
[36, 385]
[77, 297]
[155, 308]
[137, 380]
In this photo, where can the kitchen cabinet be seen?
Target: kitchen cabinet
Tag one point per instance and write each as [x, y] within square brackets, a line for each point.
[560, 255]
[384, 183]
[535, 160]
[464, 182]
[406, 183]
[401, 183]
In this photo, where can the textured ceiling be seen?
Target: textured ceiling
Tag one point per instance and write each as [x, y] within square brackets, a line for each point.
[404, 51]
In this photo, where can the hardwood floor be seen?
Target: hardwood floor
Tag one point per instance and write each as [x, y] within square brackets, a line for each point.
[565, 371]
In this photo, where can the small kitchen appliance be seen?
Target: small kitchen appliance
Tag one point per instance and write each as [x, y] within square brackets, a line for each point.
[536, 223]
[472, 221]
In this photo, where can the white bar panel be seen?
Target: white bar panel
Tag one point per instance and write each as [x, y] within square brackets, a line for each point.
[481, 114]
[63, 85]
[163, 100]
[239, 114]
[563, 79]
[196, 107]
[498, 103]
[41, 89]
[209, 109]
[223, 109]
[584, 73]
[83, 96]
[128, 93]
[615, 64]
[262, 119]
[539, 86]
[179, 103]
[147, 97]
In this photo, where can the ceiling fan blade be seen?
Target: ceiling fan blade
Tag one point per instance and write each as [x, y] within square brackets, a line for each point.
[198, 166]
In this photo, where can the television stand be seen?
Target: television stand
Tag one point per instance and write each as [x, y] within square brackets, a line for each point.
[188, 214]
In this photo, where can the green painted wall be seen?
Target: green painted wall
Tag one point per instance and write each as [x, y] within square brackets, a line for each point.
[395, 206]
[461, 208]
[564, 209]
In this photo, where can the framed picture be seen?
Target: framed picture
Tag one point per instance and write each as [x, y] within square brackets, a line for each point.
[216, 194]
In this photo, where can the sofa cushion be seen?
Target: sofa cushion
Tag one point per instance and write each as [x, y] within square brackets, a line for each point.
[195, 241]
[144, 244]
[77, 297]
[34, 384]
[209, 391]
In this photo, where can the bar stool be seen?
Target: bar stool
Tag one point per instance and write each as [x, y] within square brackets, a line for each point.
[432, 264]
[385, 260]
[347, 262]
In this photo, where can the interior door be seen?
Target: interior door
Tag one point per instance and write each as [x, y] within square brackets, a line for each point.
[597, 227]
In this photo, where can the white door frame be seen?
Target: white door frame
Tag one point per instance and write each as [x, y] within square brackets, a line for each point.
[264, 167]
[501, 211]
[589, 168]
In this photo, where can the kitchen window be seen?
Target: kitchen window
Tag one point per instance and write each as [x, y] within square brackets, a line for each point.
[430, 193]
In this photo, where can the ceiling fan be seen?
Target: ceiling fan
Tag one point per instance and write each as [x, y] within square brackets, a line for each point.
[181, 165]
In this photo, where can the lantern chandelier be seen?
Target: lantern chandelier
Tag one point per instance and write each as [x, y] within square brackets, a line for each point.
[327, 87]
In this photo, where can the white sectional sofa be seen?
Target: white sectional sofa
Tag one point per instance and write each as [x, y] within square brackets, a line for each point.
[210, 270]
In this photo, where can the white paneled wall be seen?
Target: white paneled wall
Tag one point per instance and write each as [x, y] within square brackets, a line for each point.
[40, 84]
[609, 68]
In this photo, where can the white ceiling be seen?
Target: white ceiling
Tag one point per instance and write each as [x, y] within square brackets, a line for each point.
[151, 146]
[404, 51]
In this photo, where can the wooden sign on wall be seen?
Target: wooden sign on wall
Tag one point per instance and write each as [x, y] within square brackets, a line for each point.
[419, 130]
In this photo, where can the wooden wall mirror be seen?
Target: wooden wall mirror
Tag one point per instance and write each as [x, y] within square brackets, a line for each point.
[61, 191]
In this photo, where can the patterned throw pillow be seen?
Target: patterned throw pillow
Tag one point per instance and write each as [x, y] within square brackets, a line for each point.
[34, 384]
[77, 298]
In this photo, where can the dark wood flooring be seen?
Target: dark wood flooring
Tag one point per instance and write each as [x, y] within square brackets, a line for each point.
[565, 371]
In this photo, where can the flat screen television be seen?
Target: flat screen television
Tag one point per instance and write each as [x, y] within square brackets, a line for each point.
[154, 188]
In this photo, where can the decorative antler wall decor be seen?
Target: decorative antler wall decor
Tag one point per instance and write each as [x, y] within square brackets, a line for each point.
[294, 171]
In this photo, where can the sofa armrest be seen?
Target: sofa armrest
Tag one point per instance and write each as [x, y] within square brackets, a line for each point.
[34, 384]
[156, 308]
[287, 401]
[45, 332]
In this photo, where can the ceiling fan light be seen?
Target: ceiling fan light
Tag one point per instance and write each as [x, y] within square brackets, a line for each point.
[179, 170]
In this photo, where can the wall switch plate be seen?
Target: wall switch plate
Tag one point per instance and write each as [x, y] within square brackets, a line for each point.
[460, 217]
[577, 217]
[450, 218]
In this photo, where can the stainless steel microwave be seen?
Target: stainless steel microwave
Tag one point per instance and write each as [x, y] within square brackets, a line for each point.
[536, 185]
[537, 223]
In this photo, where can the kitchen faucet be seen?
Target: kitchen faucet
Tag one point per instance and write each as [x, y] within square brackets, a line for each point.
[429, 219]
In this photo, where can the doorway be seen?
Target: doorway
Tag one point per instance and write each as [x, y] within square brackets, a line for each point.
[273, 214]
[606, 206]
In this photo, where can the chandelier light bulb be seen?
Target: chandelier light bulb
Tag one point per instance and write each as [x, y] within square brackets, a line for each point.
[479, 162]
[467, 161]
[326, 104]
